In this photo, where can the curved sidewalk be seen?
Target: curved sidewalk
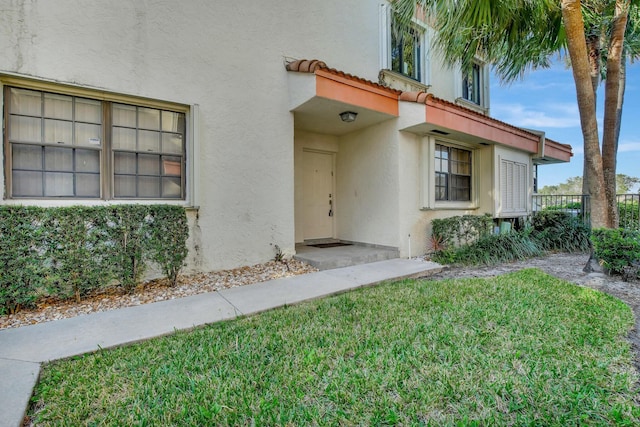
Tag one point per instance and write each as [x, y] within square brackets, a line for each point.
[23, 350]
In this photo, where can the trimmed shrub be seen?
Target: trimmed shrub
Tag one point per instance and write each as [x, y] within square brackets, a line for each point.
[460, 230]
[69, 252]
[77, 247]
[127, 231]
[21, 256]
[616, 249]
[167, 242]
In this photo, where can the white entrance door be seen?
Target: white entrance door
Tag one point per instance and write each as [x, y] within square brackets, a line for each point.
[319, 197]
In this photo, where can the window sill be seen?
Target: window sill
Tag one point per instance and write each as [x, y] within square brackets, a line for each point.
[401, 82]
[472, 106]
[53, 203]
[451, 206]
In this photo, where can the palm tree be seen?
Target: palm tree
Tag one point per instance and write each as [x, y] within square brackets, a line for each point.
[517, 35]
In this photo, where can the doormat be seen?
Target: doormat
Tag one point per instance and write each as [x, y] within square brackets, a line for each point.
[330, 245]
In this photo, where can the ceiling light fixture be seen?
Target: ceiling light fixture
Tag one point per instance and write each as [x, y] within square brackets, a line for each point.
[348, 116]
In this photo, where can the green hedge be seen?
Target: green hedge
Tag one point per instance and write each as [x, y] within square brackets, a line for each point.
[461, 230]
[69, 252]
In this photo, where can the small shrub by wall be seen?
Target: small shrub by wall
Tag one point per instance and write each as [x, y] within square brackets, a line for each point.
[456, 231]
[548, 231]
[22, 274]
[166, 244]
[69, 252]
[491, 249]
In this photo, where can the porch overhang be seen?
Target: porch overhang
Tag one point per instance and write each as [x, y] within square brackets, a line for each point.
[319, 94]
[445, 118]
[553, 152]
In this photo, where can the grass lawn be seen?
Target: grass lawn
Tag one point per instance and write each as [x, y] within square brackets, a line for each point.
[523, 348]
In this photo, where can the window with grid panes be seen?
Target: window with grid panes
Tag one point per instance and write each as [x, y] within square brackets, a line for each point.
[62, 146]
[452, 173]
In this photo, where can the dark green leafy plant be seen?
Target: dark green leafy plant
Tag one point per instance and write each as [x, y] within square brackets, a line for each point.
[21, 256]
[616, 249]
[549, 231]
[559, 231]
[491, 249]
[166, 245]
[69, 252]
[127, 233]
[460, 230]
[76, 247]
[629, 215]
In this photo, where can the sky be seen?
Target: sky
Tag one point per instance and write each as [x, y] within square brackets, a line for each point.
[546, 100]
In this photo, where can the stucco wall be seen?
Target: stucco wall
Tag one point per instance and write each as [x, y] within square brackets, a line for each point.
[367, 178]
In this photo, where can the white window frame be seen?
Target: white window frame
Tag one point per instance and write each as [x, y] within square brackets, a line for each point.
[386, 18]
[428, 171]
[191, 167]
[483, 106]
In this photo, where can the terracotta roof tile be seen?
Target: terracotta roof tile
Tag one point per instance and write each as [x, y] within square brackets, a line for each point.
[305, 65]
[423, 97]
[419, 97]
[313, 65]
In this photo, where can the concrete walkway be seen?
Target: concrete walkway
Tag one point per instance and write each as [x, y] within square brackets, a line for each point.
[23, 350]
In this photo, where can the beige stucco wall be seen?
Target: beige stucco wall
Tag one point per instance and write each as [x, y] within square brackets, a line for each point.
[367, 178]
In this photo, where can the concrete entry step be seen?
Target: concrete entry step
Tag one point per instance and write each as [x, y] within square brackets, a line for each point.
[342, 254]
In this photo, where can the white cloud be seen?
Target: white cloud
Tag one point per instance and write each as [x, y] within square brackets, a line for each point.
[625, 147]
[550, 115]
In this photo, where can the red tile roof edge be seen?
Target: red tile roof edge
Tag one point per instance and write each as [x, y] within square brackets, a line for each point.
[313, 65]
[422, 98]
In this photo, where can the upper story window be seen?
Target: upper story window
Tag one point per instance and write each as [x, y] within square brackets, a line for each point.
[406, 51]
[452, 173]
[403, 54]
[64, 146]
[472, 84]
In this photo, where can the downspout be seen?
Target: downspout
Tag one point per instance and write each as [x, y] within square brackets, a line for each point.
[542, 143]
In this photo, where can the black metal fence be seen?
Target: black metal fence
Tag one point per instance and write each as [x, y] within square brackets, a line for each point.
[576, 204]
[629, 211]
[579, 205]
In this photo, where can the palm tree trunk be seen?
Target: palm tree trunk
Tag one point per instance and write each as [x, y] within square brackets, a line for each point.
[612, 107]
[574, 27]
[594, 51]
